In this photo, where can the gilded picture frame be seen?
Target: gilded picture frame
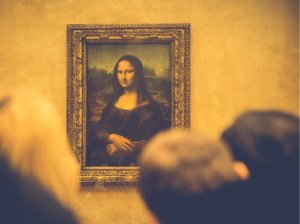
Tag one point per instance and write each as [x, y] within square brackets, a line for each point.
[92, 50]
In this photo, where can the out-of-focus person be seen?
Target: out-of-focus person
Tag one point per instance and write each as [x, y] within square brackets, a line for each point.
[267, 142]
[34, 144]
[22, 200]
[186, 178]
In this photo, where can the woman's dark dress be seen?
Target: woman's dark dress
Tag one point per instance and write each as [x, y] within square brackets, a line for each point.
[138, 125]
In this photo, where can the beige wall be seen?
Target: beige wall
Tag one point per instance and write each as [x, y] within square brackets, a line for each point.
[244, 53]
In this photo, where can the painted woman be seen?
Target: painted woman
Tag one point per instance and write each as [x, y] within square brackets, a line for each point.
[129, 119]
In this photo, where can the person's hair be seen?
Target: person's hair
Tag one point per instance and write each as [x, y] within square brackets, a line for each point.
[268, 143]
[34, 142]
[181, 174]
[139, 80]
[265, 141]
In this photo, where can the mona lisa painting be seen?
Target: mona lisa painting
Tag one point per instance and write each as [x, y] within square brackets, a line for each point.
[126, 83]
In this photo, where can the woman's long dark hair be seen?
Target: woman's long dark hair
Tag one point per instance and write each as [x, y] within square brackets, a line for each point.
[139, 80]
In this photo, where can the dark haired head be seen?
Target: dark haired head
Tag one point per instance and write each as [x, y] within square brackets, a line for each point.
[182, 177]
[268, 143]
[265, 140]
[139, 79]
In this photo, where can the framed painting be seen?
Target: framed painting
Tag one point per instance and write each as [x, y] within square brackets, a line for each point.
[125, 83]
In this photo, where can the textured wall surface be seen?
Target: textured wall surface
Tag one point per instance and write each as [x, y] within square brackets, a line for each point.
[244, 55]
[112, 205]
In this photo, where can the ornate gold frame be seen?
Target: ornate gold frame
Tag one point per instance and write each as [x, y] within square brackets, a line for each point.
[178, 35]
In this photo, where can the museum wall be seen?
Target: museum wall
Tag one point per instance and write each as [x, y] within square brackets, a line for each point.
[244, 55]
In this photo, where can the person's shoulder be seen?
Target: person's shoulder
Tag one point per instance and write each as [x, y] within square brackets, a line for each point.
[42, 207]
[26, 201]
[147, 105]
[147, 110]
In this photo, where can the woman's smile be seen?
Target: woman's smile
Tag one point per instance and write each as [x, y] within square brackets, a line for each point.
[126, 74]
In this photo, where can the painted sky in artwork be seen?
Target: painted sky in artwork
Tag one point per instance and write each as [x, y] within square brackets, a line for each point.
[104, 56]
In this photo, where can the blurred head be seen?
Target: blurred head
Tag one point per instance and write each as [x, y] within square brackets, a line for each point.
[181, 175]
[129, 74]
[34, 142]
[266, 141]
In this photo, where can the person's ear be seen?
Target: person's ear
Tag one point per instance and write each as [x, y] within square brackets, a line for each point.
[242, 170]
[152, 218]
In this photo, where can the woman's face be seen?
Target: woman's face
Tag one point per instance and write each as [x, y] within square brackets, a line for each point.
[126, 75]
